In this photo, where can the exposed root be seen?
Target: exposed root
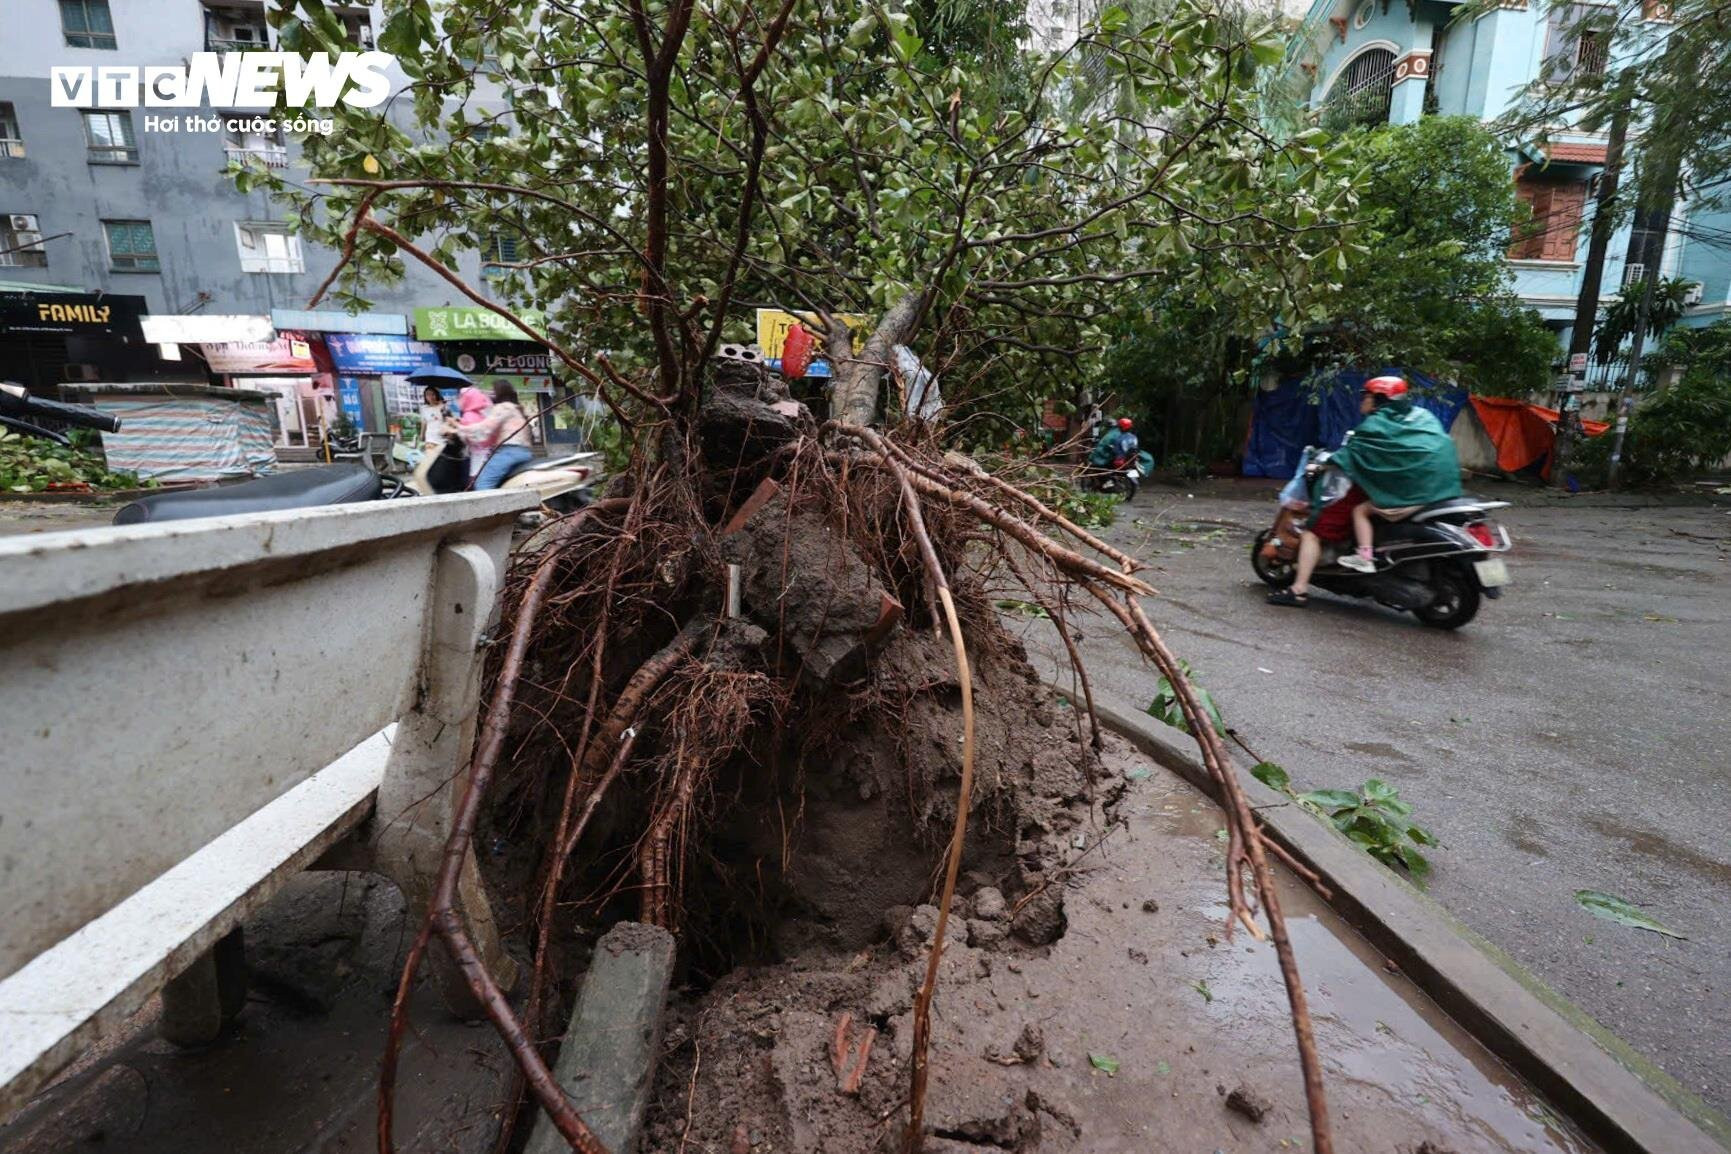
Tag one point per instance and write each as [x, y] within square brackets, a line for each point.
[616, 641]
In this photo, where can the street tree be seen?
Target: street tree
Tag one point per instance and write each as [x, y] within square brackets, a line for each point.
[663, 168]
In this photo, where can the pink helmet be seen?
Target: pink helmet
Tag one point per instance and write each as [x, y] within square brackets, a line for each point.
[1386, 386]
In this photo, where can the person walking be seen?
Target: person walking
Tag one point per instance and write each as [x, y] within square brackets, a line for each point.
[506, 429]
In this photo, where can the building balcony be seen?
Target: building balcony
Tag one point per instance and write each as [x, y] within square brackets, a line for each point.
[269, 156]
[258, 41]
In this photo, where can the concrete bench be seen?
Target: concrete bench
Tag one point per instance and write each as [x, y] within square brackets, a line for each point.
[191, 712]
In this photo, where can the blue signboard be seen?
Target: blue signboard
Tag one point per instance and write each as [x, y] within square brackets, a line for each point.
[349, 399]
[378, 353]
[818, 369]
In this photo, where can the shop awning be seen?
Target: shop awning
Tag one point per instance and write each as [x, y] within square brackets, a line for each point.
[330, 321]
[202, 329]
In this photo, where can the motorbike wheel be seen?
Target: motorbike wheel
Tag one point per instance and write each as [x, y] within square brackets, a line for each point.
[1275, 574]
[1457, 599]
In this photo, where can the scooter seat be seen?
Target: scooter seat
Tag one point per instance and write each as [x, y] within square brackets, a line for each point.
[339, 484]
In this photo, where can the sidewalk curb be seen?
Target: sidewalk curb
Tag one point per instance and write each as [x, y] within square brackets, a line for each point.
[1617, 1098]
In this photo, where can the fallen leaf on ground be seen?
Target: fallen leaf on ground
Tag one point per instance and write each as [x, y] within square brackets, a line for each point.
[1615, 909]
[1104, 1062]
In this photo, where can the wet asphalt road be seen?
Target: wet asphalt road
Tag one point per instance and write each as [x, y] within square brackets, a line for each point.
[1577, 735]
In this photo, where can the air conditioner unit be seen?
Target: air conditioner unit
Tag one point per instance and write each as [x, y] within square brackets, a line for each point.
[1692, 296]
[82, 371]
[1634, 274]
[22, 222]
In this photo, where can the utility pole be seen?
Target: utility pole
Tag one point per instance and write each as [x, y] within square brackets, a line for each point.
[1587, 302]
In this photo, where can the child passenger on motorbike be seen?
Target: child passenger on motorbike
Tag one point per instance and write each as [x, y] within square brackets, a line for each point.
[1334, 498]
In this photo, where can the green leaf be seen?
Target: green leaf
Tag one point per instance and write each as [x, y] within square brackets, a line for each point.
[1616, 909]
[1201, 987]
[1331, 799]
[1104, 1062]
[1272, 775]
[1378, 790]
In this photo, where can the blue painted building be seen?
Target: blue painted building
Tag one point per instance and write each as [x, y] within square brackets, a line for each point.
[1394, 61]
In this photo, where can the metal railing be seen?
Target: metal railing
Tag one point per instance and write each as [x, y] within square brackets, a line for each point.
[269, 155]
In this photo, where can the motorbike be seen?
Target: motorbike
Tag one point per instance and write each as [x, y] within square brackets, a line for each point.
[1124, 477]
[1438, 564]
[21, 412]
[565, 482]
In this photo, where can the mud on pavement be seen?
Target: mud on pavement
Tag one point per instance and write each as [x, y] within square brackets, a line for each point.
[1137, 1027]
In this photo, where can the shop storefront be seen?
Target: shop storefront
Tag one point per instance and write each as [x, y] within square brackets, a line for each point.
[285, 368]
[50, 336]
[489, 349]
[373, 389]
[320, 324]
[528, 369]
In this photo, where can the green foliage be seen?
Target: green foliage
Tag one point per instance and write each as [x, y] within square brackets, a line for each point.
[1372, 817]
[907, 152]
[1165, 707]
[32, 465]
[1186, 466]
[1375, 819]
[1429, 289]
[1625, 913]
[1670, 298]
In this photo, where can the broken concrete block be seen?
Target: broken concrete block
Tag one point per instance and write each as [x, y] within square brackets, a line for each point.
[607, 1063]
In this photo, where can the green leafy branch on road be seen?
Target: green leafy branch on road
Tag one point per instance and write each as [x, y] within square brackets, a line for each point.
[30, 465]
[1165, 709]
[1373, 817]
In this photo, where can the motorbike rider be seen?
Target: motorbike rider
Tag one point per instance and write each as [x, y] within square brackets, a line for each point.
[1335, 499]
[1108, 448]
[1400, 456]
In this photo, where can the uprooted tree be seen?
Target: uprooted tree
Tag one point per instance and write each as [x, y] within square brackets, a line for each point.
[664, 167]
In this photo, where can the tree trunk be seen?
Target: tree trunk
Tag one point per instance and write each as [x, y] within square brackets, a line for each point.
[858, 377]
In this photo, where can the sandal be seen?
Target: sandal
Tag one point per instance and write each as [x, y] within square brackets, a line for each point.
[1289, 598]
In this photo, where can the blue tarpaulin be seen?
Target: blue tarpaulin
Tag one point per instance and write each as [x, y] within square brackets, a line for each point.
[1303, 412]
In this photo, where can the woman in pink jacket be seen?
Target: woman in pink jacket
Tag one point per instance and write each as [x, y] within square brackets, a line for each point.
[472, 406]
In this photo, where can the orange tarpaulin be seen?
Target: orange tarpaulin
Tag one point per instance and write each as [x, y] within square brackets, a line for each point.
[1523, 432]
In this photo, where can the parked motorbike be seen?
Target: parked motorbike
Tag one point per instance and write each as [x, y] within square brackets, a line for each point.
[21, 412]
[1436, 564]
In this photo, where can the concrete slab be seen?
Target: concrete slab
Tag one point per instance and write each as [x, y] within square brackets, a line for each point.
[607, 1063]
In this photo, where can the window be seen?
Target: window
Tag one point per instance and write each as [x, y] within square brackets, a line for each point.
[87, 24]
[1577, 43]
[11, 140]
[1362, 92]
[1555, 224]
[1592, 51]
[264, 148]
[21, 241]
[234, 29]
[501, 250]
[359, 28]
[131, 246]
[108, 134]
[268, 246]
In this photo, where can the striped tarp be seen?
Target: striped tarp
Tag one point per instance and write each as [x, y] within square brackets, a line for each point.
[189, 439]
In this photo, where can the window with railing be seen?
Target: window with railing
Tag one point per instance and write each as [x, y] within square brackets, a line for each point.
[131, 246]
[234, 29]
[11, 139]
[268, 247]
[87, 24]
[108, 137]
[21, 241]
[1361, 94]
[1592, 52]
[249, 147]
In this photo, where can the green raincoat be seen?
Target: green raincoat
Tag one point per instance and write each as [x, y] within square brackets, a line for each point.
[1401, 455]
